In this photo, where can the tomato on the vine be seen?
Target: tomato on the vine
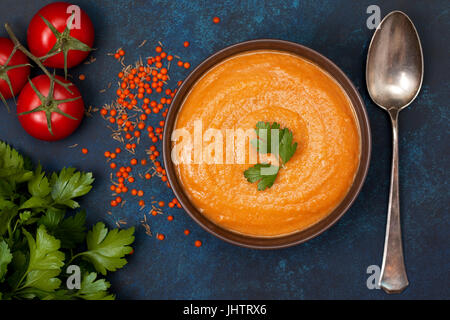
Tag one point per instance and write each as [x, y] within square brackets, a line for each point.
[47, 111]
[61, 34]
[14, 69]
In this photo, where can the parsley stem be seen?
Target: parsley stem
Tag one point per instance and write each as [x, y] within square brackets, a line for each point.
[9, 229]
[20, 282]
[74, 257]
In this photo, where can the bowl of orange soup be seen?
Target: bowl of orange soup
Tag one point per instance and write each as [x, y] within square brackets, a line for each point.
[210, 133]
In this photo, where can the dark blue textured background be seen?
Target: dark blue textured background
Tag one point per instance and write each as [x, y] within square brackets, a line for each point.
[332, 265]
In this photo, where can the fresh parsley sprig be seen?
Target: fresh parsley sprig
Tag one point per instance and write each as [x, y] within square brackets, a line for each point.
[38, 240]
[263, 173]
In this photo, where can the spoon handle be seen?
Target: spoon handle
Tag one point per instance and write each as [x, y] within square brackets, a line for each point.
[393, 274]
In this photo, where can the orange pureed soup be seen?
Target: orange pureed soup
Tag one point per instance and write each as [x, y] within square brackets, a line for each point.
[272, 86]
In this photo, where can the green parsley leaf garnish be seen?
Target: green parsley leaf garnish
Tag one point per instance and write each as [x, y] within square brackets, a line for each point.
[266, 132]
[287, 148]
[253, 174]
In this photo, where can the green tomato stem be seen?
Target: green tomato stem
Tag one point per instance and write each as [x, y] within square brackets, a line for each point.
[36, 60]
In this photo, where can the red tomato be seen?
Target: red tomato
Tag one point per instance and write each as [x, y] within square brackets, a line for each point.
[18, 76]
[41, 39]
[35, 122]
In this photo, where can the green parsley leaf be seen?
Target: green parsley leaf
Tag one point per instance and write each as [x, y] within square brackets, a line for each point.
[264, 141]
[8, 210]
[6, 204]
[45, 261]
[287, 147]
[25, 216]
[51, 219]
[264, 136]
[35, 202]
[5, 259]
[256, 173]
[36, 235]
[17, 267]
[33, 293]
[71, 230]
[92, 289]
[263, 144]
[107, 249]
[39, 186]
[70, 184]
[7, 189]
[12, 165]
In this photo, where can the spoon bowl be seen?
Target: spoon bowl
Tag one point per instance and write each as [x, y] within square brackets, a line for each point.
[394, 75]
[394, 70]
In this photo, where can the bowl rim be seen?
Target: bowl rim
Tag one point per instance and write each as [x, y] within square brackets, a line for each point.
[362, 120]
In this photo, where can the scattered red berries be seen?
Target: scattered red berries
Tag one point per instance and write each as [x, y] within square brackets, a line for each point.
[136, 101]
[160, 236]
[120, 53]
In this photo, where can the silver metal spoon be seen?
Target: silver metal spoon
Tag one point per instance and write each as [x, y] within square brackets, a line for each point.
[394, 73]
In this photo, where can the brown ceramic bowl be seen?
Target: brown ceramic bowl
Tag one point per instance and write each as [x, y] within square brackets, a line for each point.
[361, 118]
